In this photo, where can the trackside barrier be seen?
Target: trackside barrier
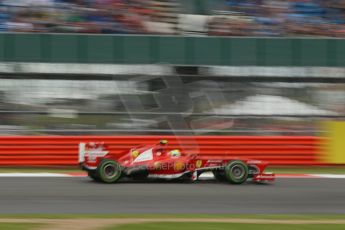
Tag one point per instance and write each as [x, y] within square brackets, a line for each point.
[335, 147]
[63, 150]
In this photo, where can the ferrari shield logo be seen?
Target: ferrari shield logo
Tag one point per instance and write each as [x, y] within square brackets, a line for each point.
[178, 166]
[198, 163]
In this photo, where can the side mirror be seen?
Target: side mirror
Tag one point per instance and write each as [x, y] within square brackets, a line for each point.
[163, 142]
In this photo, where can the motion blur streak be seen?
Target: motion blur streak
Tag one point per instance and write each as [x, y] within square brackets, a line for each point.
[79, 195]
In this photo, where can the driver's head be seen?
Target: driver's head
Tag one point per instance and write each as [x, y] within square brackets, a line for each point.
[163, 142]
[175, 153]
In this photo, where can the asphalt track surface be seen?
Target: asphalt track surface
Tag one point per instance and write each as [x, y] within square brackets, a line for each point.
[81, 195]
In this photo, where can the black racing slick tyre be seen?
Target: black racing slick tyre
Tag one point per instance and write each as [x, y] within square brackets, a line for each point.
[109, 171]
[236, 172]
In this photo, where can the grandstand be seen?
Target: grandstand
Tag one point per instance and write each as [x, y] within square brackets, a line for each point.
[206, 17]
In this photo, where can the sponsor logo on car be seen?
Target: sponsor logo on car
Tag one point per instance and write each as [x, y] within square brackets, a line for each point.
[94, 153]
[198, 163]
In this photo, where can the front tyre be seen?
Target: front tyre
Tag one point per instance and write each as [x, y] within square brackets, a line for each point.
[109, 171]
[236, 172]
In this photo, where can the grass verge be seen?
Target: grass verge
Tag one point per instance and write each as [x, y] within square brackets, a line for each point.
[157, 216]
[19, 226]
[181, 221]
[222, 226]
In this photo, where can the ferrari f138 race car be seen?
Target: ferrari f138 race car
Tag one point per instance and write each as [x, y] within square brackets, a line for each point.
[160, 162]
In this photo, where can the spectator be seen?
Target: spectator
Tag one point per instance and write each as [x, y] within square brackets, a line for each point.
[234, 18]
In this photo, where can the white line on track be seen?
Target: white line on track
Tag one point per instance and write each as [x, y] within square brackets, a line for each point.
[34, 175]
[335, 176]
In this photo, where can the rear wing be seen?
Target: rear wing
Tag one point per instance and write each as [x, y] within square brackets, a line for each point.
[82, 148]
[89, 152]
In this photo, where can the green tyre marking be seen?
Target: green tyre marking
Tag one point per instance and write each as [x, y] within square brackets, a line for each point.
[236, 172]
[109, 171]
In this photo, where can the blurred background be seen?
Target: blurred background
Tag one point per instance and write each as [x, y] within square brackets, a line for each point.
[171, 67]
[166, 104]
[204, 17]
[246, 79]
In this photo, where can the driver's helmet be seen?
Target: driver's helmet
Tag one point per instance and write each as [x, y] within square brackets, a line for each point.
[175, 153]
[163, 142]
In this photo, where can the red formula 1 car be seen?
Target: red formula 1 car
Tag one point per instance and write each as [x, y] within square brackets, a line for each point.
[158, 161]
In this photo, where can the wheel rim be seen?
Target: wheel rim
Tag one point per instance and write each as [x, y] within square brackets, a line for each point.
[237, 171]
[110, 170]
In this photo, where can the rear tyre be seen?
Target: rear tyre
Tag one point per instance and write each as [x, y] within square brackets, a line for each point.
[109, 171]
[236, 172]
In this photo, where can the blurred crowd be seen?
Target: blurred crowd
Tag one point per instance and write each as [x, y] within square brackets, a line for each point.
[281, 18]
[80, 16]
[225, 18]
